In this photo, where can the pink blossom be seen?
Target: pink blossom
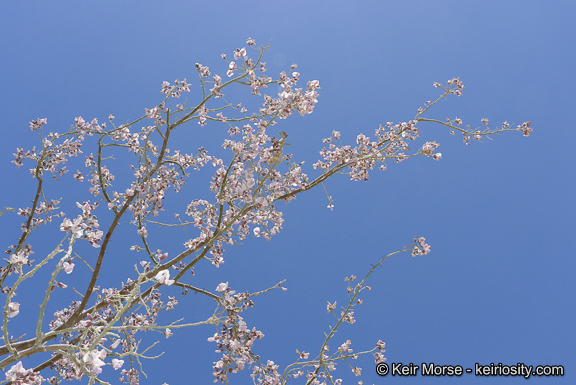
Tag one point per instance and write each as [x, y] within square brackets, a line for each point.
[94, 359]
[163, 277]
[38, 123]
[68, 267]
[261, 202]
[115, 344]
[19, 258]
[239, 53]
[78, 176]
[302, 355]
[221, 288]
[117, 364]
[313, 85]
[152, 113]
[525, 128]
[74, 227]
[19, 376]
[428, 147]
[85, 323]
[421, 247]
[13, 309]
[15, 371]
[204, 70]
[345, 347]
[231, 68]
[142, 232]
[379, 357]
[94, 237]
[331, 306]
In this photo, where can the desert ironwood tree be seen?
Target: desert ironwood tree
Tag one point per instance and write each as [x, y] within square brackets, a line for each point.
[99, 327]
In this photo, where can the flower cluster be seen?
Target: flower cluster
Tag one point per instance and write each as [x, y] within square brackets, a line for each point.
[43, 213]
[19, 376]
[235, 340]
[428, 148]
[248, 187]
[391, 141]
[525, 128]
[54, 154]
[176, 89]
[85, 225]
[421, 247]
[94, 360]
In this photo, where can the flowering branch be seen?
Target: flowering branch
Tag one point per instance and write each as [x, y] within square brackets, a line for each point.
[246, 186]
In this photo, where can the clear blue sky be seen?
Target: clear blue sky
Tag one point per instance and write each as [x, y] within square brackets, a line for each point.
[500, 215]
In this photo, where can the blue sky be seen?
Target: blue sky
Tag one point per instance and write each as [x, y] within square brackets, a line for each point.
[499, 283]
